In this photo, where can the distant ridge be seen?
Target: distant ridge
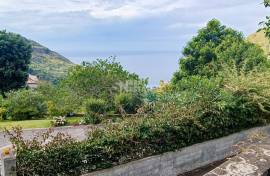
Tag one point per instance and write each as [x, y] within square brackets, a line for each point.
[48, 65]
[260, 39]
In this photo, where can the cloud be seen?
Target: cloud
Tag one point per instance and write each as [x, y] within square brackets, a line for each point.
[181, 25]
[105, 9]
[99, 9]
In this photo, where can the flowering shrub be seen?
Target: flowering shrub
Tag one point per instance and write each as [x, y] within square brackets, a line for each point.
[59, 121]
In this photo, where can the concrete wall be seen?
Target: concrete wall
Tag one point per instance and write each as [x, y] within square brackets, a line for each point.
[8, 167]
[190, 158]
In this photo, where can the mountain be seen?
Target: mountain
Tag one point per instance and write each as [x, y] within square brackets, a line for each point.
[260, 39]
[48, 65]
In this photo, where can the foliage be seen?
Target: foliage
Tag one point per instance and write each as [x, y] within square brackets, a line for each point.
[251, 94]
[163, 87]
[200, 109]
[214, 46]
[92, 118]
[60, 100]
[2, 108]
[59, 121]
[243, 55]
[15, 55]
[128, 102]
[41, 144]
[25, 105]
[267, 3]
[95, 109]
[266, 24]
[95, 106]
[100, 79]
[3, 112]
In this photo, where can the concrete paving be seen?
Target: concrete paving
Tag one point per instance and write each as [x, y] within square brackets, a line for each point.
[77, 132]
[254, 160]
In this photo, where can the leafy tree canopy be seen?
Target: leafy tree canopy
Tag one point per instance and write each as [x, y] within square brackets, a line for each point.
[214, 46]
[15, 55]
[266, 24]
[101, 79]
[267, 3]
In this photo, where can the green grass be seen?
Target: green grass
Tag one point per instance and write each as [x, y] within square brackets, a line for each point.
[44, 123]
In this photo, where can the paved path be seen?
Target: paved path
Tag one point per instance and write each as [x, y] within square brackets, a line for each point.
[254, 160]
[77, 132]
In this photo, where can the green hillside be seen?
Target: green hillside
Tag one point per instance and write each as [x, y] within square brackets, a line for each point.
[48, 65]
[260, 39]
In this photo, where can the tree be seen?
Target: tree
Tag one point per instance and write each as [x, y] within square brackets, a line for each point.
[214, 46]
[101, 79]
[242, 55]
[15, 55]
[266, 24]
[267, 3]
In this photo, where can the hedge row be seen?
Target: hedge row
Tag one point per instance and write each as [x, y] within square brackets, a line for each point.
[118, 144]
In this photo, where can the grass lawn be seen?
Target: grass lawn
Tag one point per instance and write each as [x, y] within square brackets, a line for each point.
[44, 123]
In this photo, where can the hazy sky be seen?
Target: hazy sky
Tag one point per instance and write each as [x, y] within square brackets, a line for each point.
[147, 36]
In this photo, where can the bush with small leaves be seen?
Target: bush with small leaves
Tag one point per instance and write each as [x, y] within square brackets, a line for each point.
[95, 110]
[25, 105]
[128, 102]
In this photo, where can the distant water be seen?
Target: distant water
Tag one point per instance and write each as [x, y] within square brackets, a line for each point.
[153, 65]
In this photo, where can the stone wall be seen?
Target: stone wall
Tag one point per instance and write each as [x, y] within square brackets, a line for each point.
[187, 159]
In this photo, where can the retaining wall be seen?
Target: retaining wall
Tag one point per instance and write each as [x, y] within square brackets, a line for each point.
[187, 159]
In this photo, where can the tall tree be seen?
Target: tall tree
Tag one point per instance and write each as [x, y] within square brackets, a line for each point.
[267, 3]
[213, 46]
[15, 55]
[101, 79]
[266, 24]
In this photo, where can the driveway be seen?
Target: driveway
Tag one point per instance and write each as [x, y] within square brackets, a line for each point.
[77, 132]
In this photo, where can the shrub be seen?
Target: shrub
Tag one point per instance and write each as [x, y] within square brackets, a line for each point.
[102, 79]
[60, 100]
[59, 121]
[3, 111]
[3, 108]
[128, 102]
[25, 105]
[42, 145]
[95, 106]
[95, 109]
[92, 118]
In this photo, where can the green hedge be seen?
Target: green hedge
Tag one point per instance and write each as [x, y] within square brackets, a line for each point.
[118, 144]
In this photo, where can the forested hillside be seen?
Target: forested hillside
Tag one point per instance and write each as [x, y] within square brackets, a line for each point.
[48, 65]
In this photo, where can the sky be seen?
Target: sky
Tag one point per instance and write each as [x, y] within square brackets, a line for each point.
[146, 36]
